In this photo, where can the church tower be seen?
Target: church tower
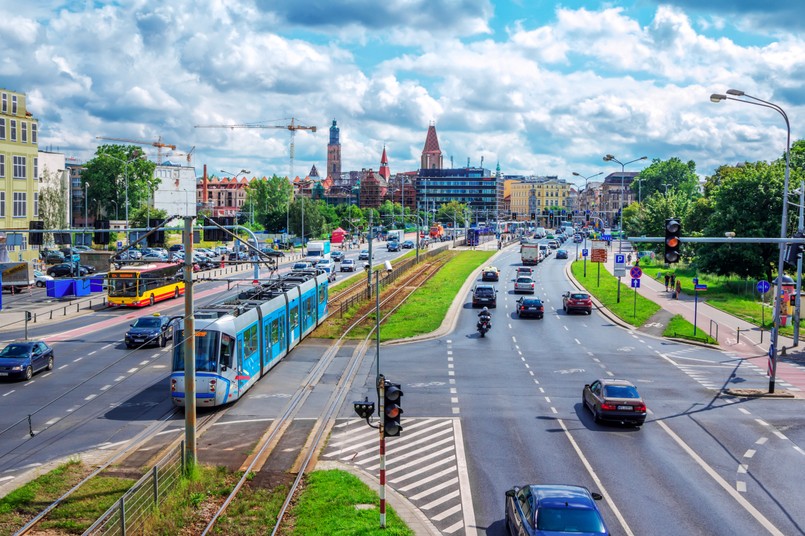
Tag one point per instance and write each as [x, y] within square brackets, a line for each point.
[334, 153]
[384, 166]
[431, 154]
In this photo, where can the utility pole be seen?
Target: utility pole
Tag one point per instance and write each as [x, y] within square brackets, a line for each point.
[189, 348]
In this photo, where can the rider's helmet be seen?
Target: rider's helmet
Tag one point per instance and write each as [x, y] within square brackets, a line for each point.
[485, 310]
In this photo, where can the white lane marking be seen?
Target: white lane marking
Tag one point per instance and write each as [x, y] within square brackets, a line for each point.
[744, 411]
[449, 341]
[761, 422]
[8, 393]
[553, 409]
[531, 372]
[510, 326]
[742, 468]
[597, 480]
[92, 352]
[564, 326]
[3, 479]
[453, 391]
[740, 486]
[454, 400]
[596, 360]
[450, 352]
[63, 366]
[52, 421]
[780, 434]
[463, 478]
[451, 365]
[526, 365]
[721, 482]
[798, 449]
[146, 362]
[105, 387]
[120, 378]
[131, 370]
[90, 397]
[610, 373]
[548, 399]
[514, 340]
[577, 341]
[749, 453]
[762, 440]
[541, 390]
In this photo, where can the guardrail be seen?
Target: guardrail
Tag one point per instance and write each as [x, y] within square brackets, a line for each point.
[130, 512]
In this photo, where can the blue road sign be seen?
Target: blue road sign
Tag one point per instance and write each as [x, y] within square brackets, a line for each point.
[606, 237]
[700, 288]
[636, 272]
[119, 244]
[584, 252]
[763, 286]
[635, 283]
[620, 259]
[695, 280]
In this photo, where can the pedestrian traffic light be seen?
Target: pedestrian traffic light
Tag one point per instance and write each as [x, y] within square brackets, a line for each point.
[158, 236]
[673, 231]
[392, 409]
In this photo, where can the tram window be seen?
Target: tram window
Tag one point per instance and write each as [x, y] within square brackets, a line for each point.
[282, 331]
[267, 334]
[322, 293]
[294, 317]
[275, 331]
[227, 343]
[250, 341]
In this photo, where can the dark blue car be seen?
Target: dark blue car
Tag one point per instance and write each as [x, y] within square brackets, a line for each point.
[20, 360]
[553, 509]
[152, 329]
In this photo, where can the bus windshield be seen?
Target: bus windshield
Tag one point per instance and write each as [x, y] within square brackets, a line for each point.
[207, 343]
[123, 287]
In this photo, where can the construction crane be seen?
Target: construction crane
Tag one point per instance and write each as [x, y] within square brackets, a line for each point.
[292, 127]
[158, 144]
[188, 155]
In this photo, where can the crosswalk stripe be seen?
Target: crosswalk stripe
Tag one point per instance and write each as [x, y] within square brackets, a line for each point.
[407, 476]
[434, 489]
[441, 500]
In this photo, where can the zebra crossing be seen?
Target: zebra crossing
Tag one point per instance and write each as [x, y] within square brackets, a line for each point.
[425, 465]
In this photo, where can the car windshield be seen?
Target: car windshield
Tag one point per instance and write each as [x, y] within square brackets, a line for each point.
[15, 350]
[620, 391]
[300, 265]
[148, 322]
[579, 296]
[569, 520]
[524, 280]
[484, 291]
[532, 302]
[348, 261]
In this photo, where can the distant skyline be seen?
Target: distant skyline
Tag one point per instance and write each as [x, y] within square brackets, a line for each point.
[541, 87]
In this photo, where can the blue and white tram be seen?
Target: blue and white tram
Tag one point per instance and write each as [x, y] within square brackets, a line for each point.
[240, 338]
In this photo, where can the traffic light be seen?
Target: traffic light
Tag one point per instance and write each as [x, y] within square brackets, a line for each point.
[157, 237]
[392, 409]
[35, 238]
[673, 231]
[101, 232]
[364, 408]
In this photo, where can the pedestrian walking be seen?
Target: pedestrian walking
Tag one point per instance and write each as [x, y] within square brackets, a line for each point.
[667, 279]
[673, 280]
[678, 289]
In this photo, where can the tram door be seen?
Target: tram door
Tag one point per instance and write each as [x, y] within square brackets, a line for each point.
[229, 359]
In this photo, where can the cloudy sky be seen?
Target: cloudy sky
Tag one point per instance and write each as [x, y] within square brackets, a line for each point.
[542, 87]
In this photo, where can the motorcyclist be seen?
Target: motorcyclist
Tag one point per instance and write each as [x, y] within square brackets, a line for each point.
[485, 316]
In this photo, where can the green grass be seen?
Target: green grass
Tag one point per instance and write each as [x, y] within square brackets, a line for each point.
[680, 328]
[426, 308]
[605, 289]
[73, 516]
[328, 505]
[732, 295]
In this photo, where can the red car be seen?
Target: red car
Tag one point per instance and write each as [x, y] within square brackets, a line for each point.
[577, 301]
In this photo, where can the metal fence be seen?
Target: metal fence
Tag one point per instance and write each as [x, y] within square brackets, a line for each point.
[130, 512]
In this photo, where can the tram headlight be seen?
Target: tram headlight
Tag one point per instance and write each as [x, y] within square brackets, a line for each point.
[213, 383]
[173, 385]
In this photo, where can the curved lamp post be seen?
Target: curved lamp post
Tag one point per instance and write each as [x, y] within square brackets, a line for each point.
[732, 94]
[586, 179]
[610, 158]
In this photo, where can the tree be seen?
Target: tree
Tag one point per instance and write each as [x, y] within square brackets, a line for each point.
[53, 200]
[452, 211]
[271, 199]
[679, 176]
[650, 219]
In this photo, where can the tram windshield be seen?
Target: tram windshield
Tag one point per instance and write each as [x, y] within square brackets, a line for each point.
[207, 343]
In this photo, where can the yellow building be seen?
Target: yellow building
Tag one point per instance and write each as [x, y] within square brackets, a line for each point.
[534, 198]
[19, 202]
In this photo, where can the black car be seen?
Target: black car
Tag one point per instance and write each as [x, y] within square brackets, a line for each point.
[20, 360]
[66, 268]
[53, 257]
[271, 252]
[337, 256]
[393, 246]
[561, 253]
[484, 295]
[151, 329]
[553, 509]
[530, 307]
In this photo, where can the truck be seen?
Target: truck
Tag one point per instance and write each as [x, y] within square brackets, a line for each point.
[17, 276]
[317, 250]
[436, 231]
[396, 235]
[529, 254]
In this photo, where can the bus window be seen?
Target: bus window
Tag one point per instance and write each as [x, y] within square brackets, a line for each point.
[227, 344]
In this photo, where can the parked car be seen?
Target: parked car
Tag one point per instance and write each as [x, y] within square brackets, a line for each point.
[151, 329]
[66, 268]
[363, 255]
[154, 256]
[530, 307]
[41, 279]
[577, 301]
[524, 284]
[408, 244]
[615, 401]
[393, 246]
[490, 273]
[54, 257]
[302, 265]
[484, 295]
[337, 256]
[89, 269]
[553, 509]
[21, 360]
[176, 247]
[348, 265]
[561, 254]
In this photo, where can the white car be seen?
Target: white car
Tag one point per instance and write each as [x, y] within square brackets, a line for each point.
[326, 265]
[41, 279]
[524, 284]
[348, 265]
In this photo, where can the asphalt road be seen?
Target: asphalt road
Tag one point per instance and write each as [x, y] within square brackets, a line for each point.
[702, 463]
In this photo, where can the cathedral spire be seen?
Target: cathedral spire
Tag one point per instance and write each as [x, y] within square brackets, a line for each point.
[384, 165]
[431, 154]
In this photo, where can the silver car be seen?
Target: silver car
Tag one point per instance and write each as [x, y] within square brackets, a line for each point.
[524, 285]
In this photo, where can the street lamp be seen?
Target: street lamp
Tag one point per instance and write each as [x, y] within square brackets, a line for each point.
[115, 202]
[731, 95]
[586, 179]
[610, 158]
[86, 210]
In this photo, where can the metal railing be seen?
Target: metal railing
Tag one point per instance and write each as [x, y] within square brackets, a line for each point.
[130, 512]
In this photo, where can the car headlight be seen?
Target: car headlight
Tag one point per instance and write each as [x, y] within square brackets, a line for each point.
[16, 367]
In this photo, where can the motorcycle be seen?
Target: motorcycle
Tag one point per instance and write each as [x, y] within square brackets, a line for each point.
[483, 326]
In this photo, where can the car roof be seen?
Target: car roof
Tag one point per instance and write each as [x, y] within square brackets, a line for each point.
[615, 381]
[563, 496]
[484, 286]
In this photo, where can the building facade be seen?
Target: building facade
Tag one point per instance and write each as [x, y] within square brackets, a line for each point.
[477, 188]
[334, 152]
[616, 192]
[176, 193]
[19, 173]
[544, 200]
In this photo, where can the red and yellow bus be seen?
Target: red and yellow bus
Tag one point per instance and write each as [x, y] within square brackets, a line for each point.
[137, 286]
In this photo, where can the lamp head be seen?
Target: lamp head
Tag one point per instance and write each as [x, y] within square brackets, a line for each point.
[576, 174]
[642, 158]
[735, 92]
[717, 97]
[608, 157]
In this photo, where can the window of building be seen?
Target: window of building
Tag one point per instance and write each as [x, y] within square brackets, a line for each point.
[19, 167]
[13, 133]
[14, 105]
[5, 102]
[20, 200]
[24, 131]
[2, 166]
[36, 167]
[2, 128]
[33, 133]
[2, 204]
[36, 204]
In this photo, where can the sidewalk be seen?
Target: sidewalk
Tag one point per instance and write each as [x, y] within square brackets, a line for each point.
[722, 326]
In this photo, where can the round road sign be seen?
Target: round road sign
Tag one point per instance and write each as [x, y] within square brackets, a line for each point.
[636, 272]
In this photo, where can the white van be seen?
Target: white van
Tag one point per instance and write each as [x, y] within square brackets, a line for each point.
[540, 232]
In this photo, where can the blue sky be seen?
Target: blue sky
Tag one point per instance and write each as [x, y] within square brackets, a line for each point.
[544, 88]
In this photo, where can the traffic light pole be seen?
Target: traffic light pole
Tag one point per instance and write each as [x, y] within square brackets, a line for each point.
[381, 397]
